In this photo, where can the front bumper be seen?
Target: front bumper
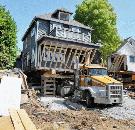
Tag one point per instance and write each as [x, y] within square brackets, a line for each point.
[104, 100]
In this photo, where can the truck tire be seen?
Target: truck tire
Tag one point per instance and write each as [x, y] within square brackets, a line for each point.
[89, 100]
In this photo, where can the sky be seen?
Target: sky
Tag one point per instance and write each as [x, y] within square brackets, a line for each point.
[23, 12]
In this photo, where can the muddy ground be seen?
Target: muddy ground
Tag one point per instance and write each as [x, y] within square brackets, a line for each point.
[84, 119]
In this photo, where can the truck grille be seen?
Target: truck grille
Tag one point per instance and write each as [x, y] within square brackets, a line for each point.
[115, 91]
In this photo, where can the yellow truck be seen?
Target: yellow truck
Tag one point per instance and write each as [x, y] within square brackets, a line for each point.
[90, 83]
[95, 86]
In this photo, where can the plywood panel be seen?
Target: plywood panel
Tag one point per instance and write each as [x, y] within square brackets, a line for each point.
[16, 120]
[5, 123]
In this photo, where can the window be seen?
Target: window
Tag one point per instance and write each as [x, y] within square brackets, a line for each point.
[97, 71]
[57, 26]
[75, 29]
[132, 58]
[66, 26]
[64, 16]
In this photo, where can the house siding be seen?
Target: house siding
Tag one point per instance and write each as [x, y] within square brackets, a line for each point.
[128, 50]
[29, 46]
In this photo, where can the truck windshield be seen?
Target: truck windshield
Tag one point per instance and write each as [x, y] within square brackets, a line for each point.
[96, 71]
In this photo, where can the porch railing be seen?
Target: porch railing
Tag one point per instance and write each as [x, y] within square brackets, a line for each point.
[66, 34]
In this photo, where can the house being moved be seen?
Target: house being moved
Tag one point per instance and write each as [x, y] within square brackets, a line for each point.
[121, 64]
[53, 40]
[53, 43]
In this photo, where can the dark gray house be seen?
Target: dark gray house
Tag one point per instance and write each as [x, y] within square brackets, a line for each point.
[54, 40]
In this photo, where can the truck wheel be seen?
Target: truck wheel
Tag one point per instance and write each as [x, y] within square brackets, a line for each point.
[89, 100]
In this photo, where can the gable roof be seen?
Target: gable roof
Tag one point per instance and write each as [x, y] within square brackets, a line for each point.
[49, 17]
[70, 22]
[126, 41]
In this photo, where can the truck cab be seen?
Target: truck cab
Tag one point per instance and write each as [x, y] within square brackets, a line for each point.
[97, 87]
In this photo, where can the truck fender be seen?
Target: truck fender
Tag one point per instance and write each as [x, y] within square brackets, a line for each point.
[91, 90]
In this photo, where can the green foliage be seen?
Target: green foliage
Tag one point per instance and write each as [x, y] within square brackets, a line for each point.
[100, 15]
[7, 39]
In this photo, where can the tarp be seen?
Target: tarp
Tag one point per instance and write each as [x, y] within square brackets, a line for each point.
[10, 94]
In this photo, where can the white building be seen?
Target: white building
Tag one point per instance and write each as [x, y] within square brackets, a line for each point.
[124, 58]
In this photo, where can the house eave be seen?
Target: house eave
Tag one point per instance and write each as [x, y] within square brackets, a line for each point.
[28, 29]
[93, 45]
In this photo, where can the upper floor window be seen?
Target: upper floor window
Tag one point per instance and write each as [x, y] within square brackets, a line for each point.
[64, 16]
[132, 58]
[74, 29]
[57, 26]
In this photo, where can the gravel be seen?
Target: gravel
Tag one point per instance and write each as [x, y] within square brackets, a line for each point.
[125, 111]
[54, 103]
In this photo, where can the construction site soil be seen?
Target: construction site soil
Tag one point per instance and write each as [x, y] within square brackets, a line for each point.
[84, 119]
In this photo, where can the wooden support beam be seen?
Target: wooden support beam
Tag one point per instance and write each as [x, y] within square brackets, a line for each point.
[112, 64]
[42, 54]
[58, 56]
[115, 62]
[119, 63]
[68, 58]
[73, 58]
[53, 54]
[39, 55]
[87, 58]
[84, 55]
[65, 51]
[49, 49]
[94, 52]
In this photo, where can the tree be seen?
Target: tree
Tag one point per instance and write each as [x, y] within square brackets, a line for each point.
[8, 41]
[100, 15]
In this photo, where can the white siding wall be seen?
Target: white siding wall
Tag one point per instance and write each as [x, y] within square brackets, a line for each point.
[128, 50]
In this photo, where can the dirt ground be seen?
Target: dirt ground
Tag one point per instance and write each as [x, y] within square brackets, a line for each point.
[71, 119]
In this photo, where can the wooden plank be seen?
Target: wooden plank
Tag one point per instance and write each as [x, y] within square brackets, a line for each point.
[49, 52]
[112, 65]
[39, 56]
[121, 62]
[68, 58]
[65, 51]
[48, 85]
[53, 54]
[87, 58]
[50, 93]
[116, 63]
[116, 59]
[26, 121]
[58, 56]
[83, 56]
[74, 55]
[6, 123]
[16, 120]
[94, 52]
